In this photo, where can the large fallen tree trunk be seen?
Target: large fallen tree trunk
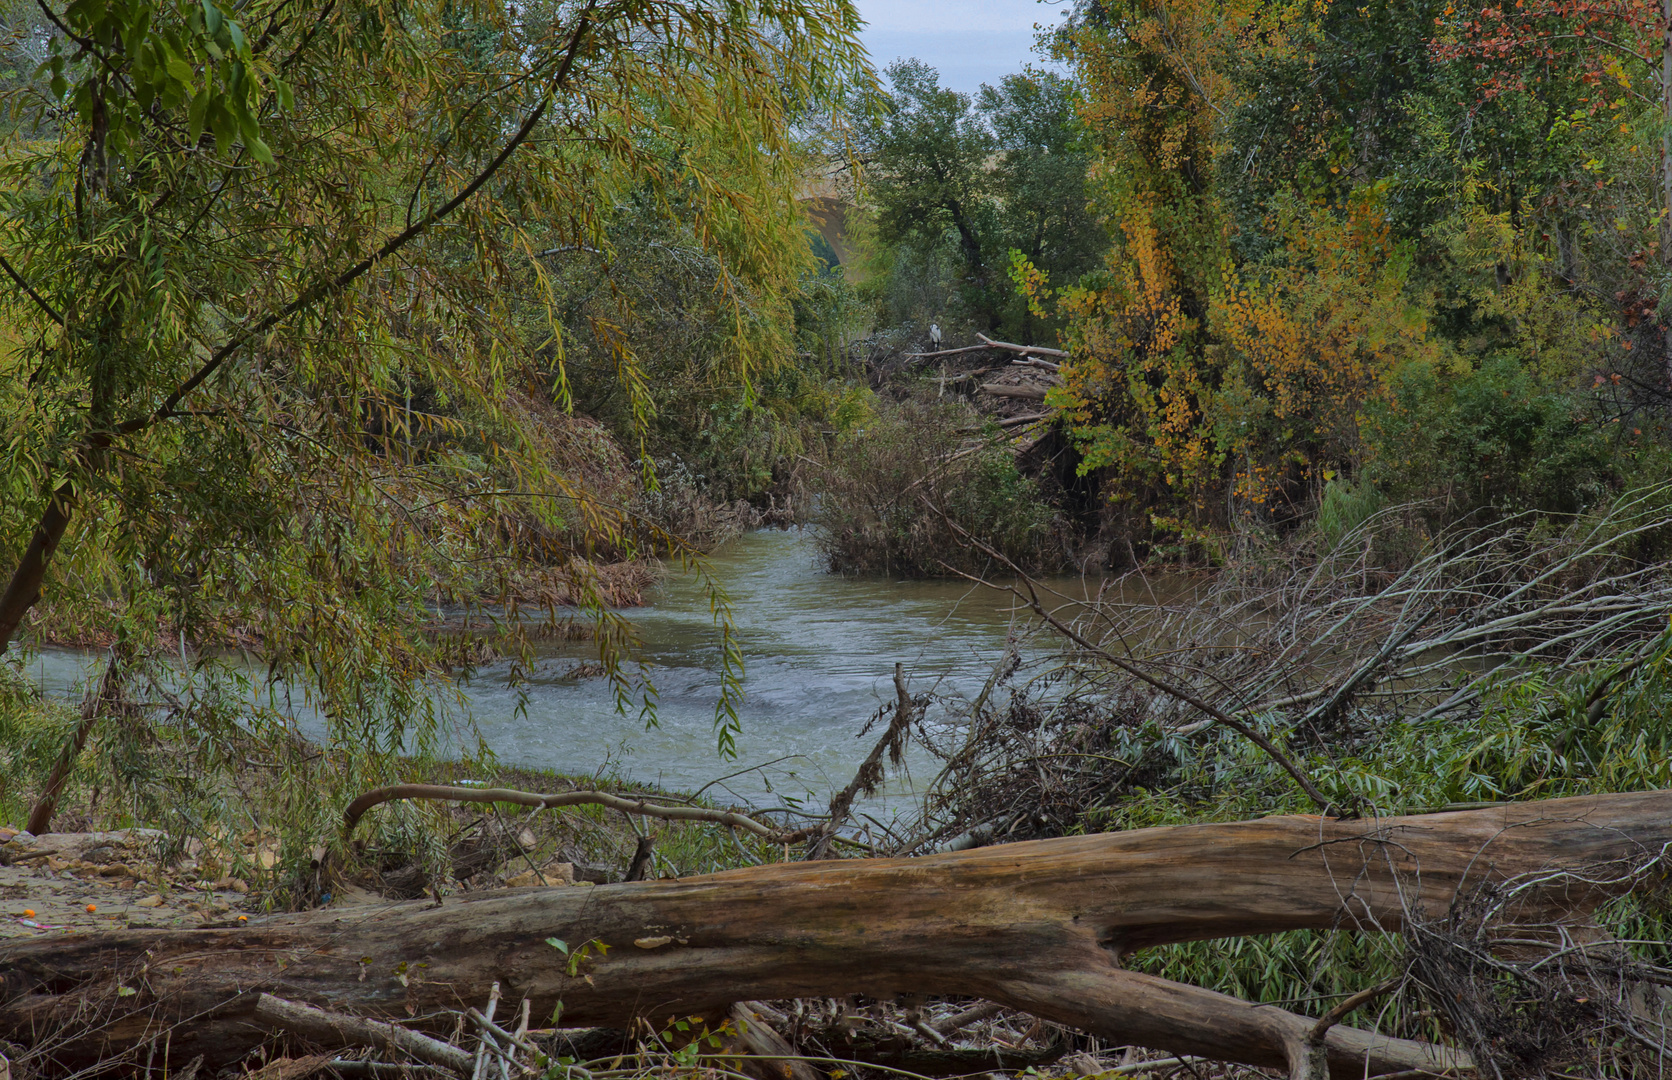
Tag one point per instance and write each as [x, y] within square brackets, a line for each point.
[1040, 926]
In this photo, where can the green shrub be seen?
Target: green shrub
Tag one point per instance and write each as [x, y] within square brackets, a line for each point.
[1497, 438]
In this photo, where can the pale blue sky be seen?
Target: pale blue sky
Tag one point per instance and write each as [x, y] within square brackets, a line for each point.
[969, 41]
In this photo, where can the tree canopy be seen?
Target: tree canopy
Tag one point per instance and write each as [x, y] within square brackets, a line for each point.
[281, 359]
[971, 180]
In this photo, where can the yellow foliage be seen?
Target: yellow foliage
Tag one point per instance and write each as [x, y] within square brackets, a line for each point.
[1130, 389]
[1291, 349]
[1313, 332]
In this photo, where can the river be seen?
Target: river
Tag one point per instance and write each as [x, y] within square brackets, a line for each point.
[819, 653]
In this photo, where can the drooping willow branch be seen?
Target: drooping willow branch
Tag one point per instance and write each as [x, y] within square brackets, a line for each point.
[448, 793]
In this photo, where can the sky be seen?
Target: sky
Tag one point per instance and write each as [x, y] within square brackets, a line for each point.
[969, 42]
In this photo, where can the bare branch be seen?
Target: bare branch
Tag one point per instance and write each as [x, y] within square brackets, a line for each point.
[731, 819]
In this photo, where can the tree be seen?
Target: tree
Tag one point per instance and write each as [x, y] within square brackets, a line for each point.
[1003, 172]
[927, 159]
[1604, 63]
[270, 375]
[1304, 202]
[1039, 181]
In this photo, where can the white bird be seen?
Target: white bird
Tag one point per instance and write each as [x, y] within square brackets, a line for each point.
[934, 335]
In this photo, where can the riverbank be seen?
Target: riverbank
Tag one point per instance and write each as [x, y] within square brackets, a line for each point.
[103, 867]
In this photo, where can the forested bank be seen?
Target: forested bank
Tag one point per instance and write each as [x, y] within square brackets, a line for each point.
[351, 349]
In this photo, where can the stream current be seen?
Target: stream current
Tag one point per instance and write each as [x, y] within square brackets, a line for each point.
[818, 651]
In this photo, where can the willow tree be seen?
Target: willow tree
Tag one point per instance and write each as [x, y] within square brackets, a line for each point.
[269, 373]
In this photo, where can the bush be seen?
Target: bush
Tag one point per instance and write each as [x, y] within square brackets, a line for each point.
[898, 491]
[1496, 438]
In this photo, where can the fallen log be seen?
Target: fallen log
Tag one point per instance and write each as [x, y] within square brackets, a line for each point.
[1025, 350]
[1020, 421]
[1040, 926]
[946, 352]
[1027, 393]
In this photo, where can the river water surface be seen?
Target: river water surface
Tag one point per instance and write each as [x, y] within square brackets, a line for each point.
[819, 653]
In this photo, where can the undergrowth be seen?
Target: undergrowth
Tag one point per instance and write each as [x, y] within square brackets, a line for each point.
[900, 493]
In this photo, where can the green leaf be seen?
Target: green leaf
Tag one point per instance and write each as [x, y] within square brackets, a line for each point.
[221, 122]
[134, 39]
[194, 115]
[212, 17]
[560, 945]
[260, 150]
[179, 70]
[247, 125]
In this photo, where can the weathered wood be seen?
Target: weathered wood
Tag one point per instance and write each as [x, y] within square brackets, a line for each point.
[946, 352]
[337, 1030]
[1038, 926]
[1027, 393]
[760, 1039]
[1026, 350]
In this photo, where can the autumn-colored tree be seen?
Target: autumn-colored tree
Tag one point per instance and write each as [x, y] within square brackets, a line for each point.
[1207, 383]
[1617, 52]
[1136, 386]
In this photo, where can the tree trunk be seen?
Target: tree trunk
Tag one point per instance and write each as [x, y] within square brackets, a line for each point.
[95, 704]
[24, 588]
[1040, 926]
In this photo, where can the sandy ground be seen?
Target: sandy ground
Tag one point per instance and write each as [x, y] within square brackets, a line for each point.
[68, 883]
[81, 885]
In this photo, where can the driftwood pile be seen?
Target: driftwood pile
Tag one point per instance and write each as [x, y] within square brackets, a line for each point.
[1023, 379]
[748, 1038]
